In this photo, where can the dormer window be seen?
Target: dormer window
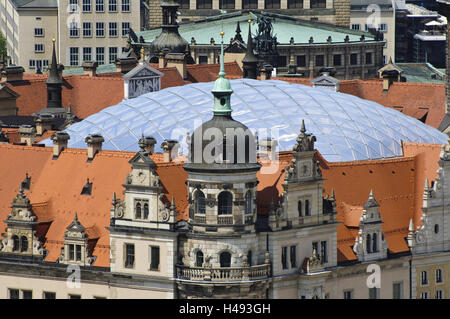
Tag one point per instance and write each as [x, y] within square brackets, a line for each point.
[26, 182]
[225, 203]
[368, 243]
[87, 188]
[375, 243]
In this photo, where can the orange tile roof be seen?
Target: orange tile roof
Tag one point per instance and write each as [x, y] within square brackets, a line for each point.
[56, 186]
[210, 72]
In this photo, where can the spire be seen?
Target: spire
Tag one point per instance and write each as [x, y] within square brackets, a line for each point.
[54, 77]
[371, 202]
[250, 61]
[303, 129]
[222, 89]
[238, 36]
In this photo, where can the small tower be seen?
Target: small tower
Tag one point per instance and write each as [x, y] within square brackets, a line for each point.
[370, 243]
[250, 61]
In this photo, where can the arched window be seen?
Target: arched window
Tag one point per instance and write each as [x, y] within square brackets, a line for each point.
[199, 258]
[249, 257]
[23, 244]
[145, 211]
[307, 211]
[299, 207]
[225, 203]
[225, 259]
[138, 211]
[368, 244]
[15, 243]
[375, 243]
[200, 202]
[248, 202]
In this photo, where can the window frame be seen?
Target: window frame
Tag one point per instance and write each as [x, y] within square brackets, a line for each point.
[203, 4]
[424, 281]
[272, 4]
[249, 4]
[87, 31]
[85, 54]
[152, 265]
[39, 48]
[99, 29]
[36, 33]
[293, 256]
[73, 54]
[86, 6]
[295, 4]
[126, 6]
[115, 31]
[98, 53]
[112, 4]
[284, 262]
[99, 6]
[130, 255]
[124, 35]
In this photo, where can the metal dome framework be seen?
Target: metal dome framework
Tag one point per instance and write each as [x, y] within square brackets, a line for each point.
[347, 128]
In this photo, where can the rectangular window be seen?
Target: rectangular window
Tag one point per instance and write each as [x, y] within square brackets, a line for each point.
[318, 4]
[38, 48]
[397, 290]
[49, 295]
[323, 252]
[184, 4]
[202, 59]
[73, 6]
[32, 64]
[356, 26]
[382, 27]
[319, 60]
[369, 58]
[284, 257]
[249, 4]
[112, 5]
[38, 32]
[337, 59]
[154, 258]
[295, 4]
[226, 4]
[87, 54]
[438, 294]
[424, 277]
[78, 252]
[39, 64]
[74, 296]
[354, 59]
[45, 62]
[99, 6]
[125, 5]
[348, 294]
[204, 4]
[272, 4]
[113, 29]
[27, 294]
[438, 276]
[374, 293]
[86, 5]
[99, 29]
[301, 60]
[112, 54]
[129, 255]
[125, 28]
[424, 295]
[73, 61]
[13, 293]
[87, 29]
[100, 55]
[71, 246]
[73, 29]
[293, 256]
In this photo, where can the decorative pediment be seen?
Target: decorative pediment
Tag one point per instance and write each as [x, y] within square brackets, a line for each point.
[21, 208]
[75, 229]
[143, 71]
[141, 160]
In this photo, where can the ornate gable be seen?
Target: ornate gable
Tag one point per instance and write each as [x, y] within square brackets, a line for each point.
[142, 79]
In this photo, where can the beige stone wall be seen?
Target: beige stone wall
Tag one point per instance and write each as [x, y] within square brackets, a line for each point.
[87, 290]
[155, 13]
[65, 41]
[387, 17]
[342, 8]
[354, 278]
[430, 263]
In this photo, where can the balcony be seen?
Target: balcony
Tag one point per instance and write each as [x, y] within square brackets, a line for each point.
[223, 274]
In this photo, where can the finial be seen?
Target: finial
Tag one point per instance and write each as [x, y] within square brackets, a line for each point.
[222, 66]
[426, 185]
[53, 40]
[333, 196]
[303, 129]
[142, 54]
[249, 21]
[76, 217]
[371, 193]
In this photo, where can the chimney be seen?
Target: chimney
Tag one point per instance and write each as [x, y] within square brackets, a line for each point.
[389, 76]
[27, 134]
[162, 60]
[43, 123]
[94, 144]
[147, 144]
[170, 148]
[90, 68]
[266, 72]
[177, 60]
[267, 148]
[59, 143]
[125, 65]
[12, 73]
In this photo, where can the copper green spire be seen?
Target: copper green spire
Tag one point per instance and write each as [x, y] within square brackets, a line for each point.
[222, 89]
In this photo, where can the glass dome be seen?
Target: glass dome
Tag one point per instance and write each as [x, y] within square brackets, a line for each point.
[347, 128]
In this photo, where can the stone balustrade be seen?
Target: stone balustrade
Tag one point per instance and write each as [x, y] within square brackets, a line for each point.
[223, 274]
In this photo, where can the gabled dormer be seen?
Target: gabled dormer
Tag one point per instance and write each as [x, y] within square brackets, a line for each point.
[20, 237]
[78, 246]
[144, 203]
[370, 243]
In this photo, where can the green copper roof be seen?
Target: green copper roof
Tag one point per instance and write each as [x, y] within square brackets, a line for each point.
[421, 73]
[78, 70]
[285, 27]
[222, 90]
